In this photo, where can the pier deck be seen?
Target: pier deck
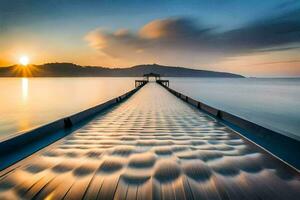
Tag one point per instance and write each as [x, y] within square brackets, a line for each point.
[152, 146]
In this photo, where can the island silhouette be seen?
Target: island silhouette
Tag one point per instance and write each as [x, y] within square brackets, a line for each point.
[73, 70]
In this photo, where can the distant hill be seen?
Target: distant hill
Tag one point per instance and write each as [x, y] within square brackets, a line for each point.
[72, 70]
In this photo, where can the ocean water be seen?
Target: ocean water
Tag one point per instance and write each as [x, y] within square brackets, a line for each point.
[26, 103]
[271, 102]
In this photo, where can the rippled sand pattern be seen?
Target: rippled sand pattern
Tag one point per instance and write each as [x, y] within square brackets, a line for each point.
[153, 146]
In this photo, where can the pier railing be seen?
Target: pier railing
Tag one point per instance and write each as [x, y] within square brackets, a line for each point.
[284, 147]
[139, 83]
[163, 82]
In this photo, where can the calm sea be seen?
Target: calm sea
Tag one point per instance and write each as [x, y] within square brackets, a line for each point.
[271, 102]
[26, 103]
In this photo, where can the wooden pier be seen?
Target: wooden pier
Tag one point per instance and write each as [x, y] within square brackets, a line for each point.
[150, 146]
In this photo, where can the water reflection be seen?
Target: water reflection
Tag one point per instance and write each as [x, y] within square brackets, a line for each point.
[24, 89]
[29, 102]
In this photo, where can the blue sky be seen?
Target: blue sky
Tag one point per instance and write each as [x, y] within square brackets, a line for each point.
[132, 14]
[62, 26]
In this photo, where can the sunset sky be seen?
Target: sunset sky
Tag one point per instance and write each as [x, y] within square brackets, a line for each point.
[253, 38]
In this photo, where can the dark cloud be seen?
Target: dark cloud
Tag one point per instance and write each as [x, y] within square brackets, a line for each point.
[186, 39]
[266, 33]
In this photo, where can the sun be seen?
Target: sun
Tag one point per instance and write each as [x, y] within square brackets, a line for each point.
[24, 60]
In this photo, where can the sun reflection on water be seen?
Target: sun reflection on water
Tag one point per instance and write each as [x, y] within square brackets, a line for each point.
[24, 89]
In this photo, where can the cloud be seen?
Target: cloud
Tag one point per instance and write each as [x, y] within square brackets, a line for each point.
[178, 28]
[184, 40]
[266, 33]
